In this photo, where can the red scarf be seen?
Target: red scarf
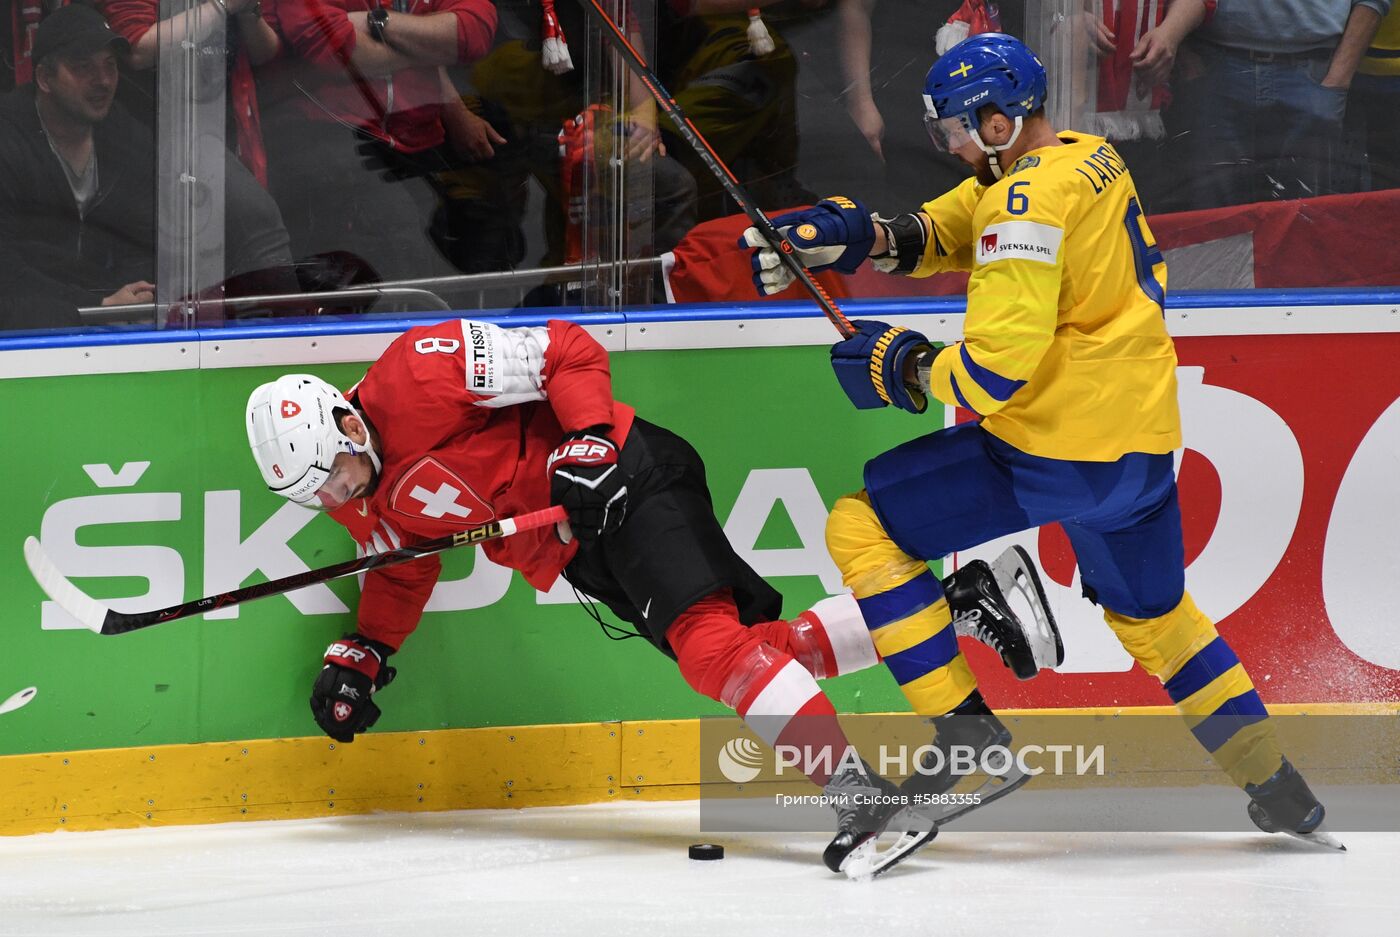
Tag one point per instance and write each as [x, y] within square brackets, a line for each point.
[25, 17]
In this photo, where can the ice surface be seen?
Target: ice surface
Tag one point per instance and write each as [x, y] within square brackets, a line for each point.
[618, 870]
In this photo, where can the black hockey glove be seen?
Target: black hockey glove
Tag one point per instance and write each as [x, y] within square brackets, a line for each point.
[355, 669]
[585, 478]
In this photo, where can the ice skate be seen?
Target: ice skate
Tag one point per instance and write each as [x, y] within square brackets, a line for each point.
[1285, 804]
[963, 737]
[866, 804]
[977, 599]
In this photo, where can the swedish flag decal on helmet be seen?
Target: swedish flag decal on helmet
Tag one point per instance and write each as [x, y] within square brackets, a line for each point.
[989, 68]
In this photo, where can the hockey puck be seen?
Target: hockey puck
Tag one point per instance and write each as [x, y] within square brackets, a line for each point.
[706, 851]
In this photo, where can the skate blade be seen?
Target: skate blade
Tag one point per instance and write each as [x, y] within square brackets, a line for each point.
[1015, 574]
[1319, 838]
[988, 792]
[868, 860]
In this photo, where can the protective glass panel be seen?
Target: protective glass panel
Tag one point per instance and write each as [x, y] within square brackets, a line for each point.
[78, 160]
[1237, 111]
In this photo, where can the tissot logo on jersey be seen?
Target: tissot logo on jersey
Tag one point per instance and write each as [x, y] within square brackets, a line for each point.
[481, 373]
[1020, 240]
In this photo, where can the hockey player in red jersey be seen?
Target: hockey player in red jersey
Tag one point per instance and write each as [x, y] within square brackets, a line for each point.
[463, 422]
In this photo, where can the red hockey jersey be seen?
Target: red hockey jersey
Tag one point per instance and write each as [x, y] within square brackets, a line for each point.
[467, 414]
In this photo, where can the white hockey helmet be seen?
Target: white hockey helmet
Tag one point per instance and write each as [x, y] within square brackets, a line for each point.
[294, 436]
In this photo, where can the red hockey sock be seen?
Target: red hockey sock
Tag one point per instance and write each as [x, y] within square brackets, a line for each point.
[725, 661]
[828, 639]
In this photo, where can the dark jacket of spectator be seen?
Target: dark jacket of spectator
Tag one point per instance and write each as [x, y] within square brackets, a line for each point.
[71, 259]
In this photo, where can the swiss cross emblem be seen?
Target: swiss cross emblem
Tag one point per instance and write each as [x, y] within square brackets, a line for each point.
[342, 711]
[290, 409]
[429, 489]
[479, 368]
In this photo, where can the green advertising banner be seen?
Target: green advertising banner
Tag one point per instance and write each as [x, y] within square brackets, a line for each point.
[142, 489]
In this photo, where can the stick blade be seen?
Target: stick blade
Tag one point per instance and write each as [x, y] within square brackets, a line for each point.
[90, 613]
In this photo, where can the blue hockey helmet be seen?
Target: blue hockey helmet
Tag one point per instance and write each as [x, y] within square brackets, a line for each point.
[986, 69]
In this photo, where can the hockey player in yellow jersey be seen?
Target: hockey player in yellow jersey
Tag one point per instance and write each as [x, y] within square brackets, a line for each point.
[1066, 359]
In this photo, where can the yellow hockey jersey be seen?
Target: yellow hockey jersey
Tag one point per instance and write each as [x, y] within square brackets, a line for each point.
[1383, 57]
[1065, 352]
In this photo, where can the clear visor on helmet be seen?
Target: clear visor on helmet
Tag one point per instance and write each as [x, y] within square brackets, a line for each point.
[949, 134]
[337, 489]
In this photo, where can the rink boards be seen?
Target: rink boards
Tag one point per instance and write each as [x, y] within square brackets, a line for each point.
[136, 476]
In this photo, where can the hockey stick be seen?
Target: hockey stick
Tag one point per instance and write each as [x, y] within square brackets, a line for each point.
[101, 618]
[713, 163]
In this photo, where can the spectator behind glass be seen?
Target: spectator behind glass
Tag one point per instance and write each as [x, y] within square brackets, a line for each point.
[23, 17]
[1132, 47]
[524, 102]
[250, 41]
[745, 105]
[1258, 105]
[882, 47]
[257, 258]
[510, 136]
[76, 181]
[358, 134]
[1374, 104]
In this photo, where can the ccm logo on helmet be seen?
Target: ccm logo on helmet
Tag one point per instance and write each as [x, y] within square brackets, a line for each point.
[290, 409]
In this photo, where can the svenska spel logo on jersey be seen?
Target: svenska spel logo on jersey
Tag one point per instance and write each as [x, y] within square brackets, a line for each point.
[1020, 240]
